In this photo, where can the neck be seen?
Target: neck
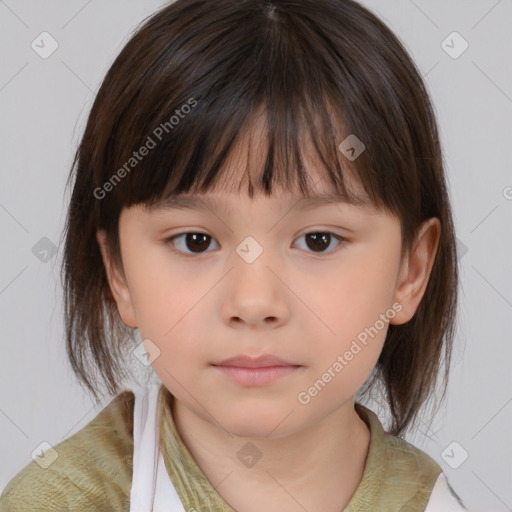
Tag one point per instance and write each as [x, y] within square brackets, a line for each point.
[322, 464]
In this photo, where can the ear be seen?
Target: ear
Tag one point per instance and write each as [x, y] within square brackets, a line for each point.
[117, 283]
[415, 270]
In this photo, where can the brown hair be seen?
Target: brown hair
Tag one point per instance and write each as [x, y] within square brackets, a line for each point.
[198, 70]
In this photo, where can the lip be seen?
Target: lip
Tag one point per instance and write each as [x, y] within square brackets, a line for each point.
[255, 371]
[245, 361]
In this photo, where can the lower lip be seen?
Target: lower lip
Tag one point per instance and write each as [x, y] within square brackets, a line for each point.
[256, 376]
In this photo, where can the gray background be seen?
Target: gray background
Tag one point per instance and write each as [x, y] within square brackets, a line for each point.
[44, 104]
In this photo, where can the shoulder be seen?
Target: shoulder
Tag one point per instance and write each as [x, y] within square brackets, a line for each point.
[92, 469]
[410, 472]
[407, 478]
[411, 463]
[444, 498]
[395, 456]
[400, 454]
[397, 475]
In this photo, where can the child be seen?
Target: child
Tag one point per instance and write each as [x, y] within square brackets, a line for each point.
[260, 194]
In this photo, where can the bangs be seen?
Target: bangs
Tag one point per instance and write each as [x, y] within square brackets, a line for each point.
[263, 151]
[279, 136]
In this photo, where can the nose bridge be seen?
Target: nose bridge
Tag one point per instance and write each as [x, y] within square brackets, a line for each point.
[253, 259]
[254, 292]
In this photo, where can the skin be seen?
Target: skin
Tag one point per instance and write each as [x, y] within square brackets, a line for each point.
[303, 306]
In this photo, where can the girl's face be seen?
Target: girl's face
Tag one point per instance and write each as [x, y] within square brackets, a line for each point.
[313, 285]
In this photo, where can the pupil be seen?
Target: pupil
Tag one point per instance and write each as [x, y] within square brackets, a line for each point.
[195, 239]
[321, 239]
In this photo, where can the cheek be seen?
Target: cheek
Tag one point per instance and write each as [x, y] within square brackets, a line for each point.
[166, 299]
[355, 306]
[351, 296]
[343, 361]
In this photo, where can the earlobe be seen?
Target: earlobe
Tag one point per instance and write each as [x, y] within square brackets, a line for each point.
[415, 270]
[117, 283]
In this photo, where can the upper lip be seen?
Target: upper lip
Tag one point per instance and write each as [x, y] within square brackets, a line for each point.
[245, 361]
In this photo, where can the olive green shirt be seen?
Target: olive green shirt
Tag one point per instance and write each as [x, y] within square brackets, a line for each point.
[93, 470]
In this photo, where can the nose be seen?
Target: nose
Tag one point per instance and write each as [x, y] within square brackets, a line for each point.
[256, 296]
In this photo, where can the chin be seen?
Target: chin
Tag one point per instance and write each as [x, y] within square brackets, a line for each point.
[257, 424]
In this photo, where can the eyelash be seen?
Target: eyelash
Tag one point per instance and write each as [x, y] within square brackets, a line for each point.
[170, 241]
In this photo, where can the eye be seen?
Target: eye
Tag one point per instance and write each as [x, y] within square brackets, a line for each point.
[196, 242]
[319, 240]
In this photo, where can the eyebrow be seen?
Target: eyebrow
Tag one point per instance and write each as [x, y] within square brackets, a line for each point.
[198, 202]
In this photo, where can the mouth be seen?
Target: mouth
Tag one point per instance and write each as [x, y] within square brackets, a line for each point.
[255, 371]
